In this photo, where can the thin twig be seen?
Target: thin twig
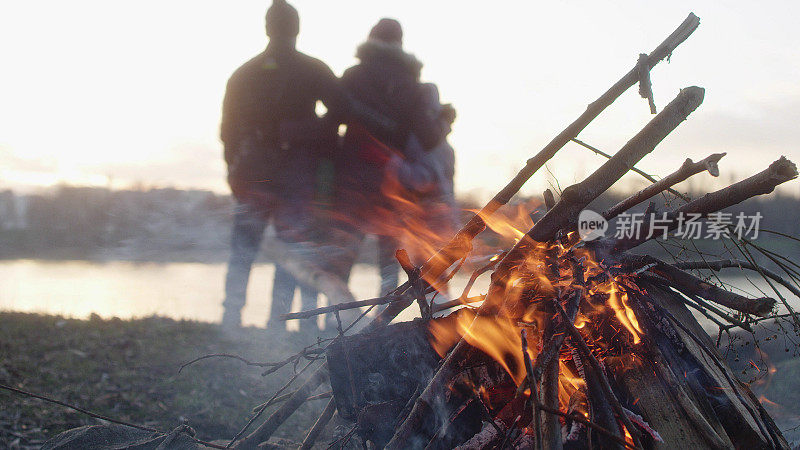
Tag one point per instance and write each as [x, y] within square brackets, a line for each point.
[477, 273]
[261, 411]
[319, 425]
[508, 432]
[283, 397]
[342, 307]
[633, 169]
[737, 263]
[275, 365]
[96, 415]
[263, 432]
[749, 256]
[439, 307]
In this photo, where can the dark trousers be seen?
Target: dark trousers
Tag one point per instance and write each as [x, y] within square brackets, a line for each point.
[249, 223]
[342, 258]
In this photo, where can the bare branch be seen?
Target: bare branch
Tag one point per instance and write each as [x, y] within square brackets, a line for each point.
[737, 263]
[686, 170]
[578, 341]
[761, 183]
[693, 286]
[95, 415]
[576, 197]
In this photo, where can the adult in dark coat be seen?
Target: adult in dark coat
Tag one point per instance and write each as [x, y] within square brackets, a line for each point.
[272, 139]
[386, 79]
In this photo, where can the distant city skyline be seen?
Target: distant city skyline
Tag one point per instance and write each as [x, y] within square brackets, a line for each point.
[115, 94]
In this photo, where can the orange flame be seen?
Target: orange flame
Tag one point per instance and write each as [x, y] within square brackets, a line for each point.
[511, 227]
[496, 336]
[618, 300]
[419, 225]
[765, 401]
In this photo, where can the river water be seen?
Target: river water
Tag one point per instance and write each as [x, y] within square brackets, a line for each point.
[192, 291]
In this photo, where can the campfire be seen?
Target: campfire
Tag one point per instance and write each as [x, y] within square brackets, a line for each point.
[578, 343]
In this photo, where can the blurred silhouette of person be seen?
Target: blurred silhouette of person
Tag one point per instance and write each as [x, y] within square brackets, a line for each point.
[272, 138]
[386, 79]
[426, 176]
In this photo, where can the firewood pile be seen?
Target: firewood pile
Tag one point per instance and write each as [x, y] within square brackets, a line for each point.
[577, 343]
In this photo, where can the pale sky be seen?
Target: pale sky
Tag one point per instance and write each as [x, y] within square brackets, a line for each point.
[116, 93]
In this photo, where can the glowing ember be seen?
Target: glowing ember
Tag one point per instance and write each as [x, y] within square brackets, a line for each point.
[526, 294]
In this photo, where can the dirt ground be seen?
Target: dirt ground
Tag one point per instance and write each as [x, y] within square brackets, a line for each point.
[128, 370]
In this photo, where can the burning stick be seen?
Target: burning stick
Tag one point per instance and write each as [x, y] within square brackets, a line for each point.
[552, 346]
[532, 383]
[600, 409]
[551, 427]
[572, 201]
[686, 170]
[264, 432]
[577, 339]
[578, 418]
[460, 244]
